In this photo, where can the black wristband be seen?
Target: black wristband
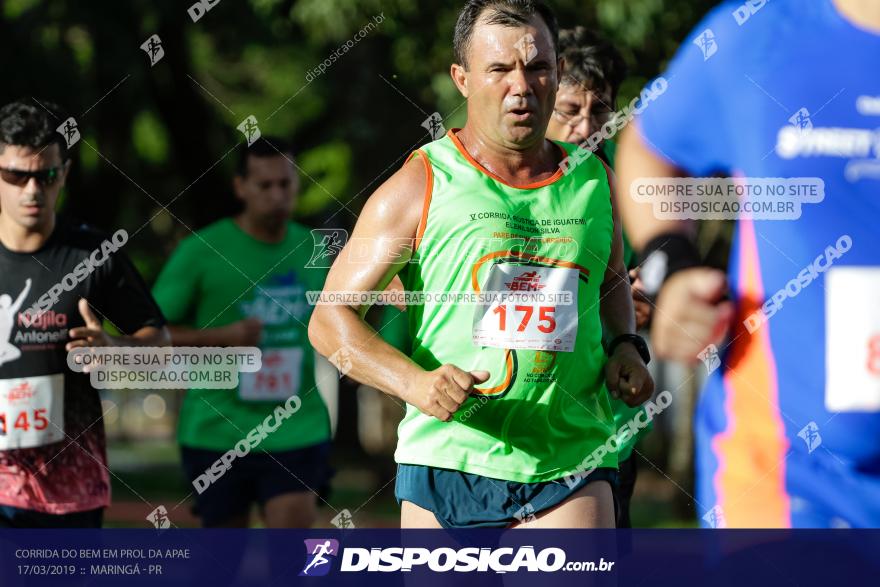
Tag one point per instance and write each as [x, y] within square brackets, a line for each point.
[664, 255]
[634, 339]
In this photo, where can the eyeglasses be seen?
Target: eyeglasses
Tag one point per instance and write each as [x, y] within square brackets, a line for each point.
[573, 119]
[20, 177]
[569, 118]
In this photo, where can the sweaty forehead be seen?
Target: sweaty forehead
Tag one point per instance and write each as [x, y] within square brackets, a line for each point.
[507, 44]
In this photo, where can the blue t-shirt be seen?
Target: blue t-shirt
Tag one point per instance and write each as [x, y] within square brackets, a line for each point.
[787, 89]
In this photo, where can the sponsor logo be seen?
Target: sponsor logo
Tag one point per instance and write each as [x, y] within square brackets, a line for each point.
[529, 281]
[44, 321]
[20, 392]
[544, 361]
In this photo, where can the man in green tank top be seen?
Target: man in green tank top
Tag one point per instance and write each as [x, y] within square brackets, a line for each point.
[515, 266]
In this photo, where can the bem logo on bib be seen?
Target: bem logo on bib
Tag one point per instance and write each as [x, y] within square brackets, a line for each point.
[21, 392]
[530, 281]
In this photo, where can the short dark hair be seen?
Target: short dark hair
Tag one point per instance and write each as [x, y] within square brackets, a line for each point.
[265, 146]
[509, 13]
[591, 61]
[31, 123]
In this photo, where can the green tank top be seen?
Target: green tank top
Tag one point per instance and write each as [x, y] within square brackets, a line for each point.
[545, 407]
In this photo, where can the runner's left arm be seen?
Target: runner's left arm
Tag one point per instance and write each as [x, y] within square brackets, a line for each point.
[615, 295]
[626, 374]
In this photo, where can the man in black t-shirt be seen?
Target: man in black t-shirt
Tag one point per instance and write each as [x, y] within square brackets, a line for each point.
[59, 282]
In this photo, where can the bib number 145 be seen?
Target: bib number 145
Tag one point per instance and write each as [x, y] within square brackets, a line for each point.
[31, 411]
[22, 421]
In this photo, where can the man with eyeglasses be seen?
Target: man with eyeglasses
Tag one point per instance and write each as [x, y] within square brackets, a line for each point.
[53, 462]
[586, 100]
[588, 90]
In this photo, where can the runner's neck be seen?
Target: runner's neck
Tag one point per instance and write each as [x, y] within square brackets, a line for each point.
[862, 13]
[259, 230]
[19, 239]
[515, 167]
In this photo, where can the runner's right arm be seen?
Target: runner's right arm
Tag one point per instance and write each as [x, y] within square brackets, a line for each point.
[176, 292]
[384, 233]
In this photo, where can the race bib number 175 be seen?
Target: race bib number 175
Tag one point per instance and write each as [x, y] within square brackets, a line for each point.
[540, 314]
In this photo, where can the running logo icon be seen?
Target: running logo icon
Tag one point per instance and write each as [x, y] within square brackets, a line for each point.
[526, 47]
[327, 243]
[250, 129]
[70, 131]
[341, 359]
[526, 513]
[714, 518]
[801, 120]
[318, 553]
[434, 125]
[153, 48]
[159, 518]
[810, 435]
[710, 358]
[343, 520]
[706, 43]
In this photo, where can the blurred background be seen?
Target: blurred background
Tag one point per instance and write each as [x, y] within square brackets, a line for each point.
[164, 132]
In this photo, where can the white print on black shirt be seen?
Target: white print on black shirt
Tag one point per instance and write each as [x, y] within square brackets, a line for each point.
[9, 352]
[79, 274]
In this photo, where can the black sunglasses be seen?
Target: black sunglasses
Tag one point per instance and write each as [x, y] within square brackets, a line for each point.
[19, 177]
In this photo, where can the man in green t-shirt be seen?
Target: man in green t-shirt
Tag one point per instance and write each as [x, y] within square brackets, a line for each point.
[587, 99]
[241, 282]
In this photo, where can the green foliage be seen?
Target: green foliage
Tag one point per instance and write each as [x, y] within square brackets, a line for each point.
[325, 173]
[168, 132]
[150, 137]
